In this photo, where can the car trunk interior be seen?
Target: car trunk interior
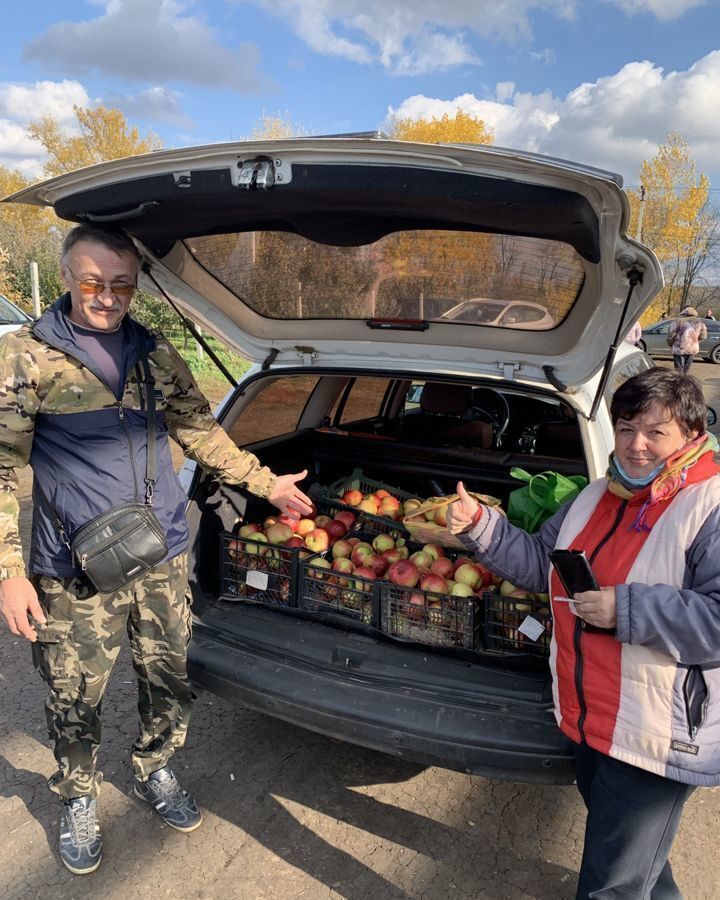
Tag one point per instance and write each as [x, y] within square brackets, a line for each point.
[420, 461]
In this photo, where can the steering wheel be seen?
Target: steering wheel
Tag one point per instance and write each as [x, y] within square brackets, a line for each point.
[496, 412]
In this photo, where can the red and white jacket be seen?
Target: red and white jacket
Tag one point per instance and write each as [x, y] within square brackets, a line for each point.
[649, 693]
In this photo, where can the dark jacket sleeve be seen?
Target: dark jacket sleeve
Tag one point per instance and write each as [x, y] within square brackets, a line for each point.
[507, 550]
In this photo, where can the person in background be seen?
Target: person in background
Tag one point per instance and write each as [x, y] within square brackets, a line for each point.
[633, 336]
[635, 664]
[73, 407]
[683, 338]
[709, 315]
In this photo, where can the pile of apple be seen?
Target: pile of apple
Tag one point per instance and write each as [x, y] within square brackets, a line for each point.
[380, 503]
[516, 603]
[313, 534]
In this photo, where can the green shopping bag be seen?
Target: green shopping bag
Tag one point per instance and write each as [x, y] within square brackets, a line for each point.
[544, 494]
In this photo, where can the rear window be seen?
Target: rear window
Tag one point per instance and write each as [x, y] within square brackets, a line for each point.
[275, 411]
[440, 276]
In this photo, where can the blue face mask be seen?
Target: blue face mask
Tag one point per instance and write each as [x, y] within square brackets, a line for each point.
[638, 482]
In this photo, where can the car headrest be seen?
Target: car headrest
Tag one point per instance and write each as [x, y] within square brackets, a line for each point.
[446, 399]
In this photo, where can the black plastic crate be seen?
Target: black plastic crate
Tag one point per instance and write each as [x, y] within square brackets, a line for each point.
[262, 572]
[331, 494]
[516, 626]
[424, 617]
[322, 590]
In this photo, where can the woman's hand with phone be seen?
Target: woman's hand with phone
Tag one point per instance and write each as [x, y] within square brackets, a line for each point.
[598, 608]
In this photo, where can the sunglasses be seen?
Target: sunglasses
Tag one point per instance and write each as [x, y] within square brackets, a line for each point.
[92, 287]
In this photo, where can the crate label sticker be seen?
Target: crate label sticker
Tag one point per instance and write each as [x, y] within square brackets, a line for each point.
[531, 628]
[257, 579]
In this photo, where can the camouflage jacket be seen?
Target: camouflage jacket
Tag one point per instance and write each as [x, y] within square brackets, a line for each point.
[88, 449]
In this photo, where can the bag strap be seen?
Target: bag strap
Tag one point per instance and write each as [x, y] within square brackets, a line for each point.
[150, 459]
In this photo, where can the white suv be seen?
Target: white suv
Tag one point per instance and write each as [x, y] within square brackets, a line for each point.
[332, 264]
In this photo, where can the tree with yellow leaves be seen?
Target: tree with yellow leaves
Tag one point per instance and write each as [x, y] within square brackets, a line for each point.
[672, 220]
[462, 128]
[100, 134]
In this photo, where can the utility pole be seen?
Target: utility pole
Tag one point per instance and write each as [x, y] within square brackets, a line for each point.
[641, 212]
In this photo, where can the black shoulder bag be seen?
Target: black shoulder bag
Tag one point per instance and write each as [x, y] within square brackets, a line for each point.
[119, 545]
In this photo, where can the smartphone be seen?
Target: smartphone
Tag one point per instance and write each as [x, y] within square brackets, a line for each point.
[574, 571]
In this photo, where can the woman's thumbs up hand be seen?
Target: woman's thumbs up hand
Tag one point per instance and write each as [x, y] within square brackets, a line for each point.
[462, 512]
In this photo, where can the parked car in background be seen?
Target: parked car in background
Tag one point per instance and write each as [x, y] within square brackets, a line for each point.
[506, 313]
[11, 316]
[654, 340]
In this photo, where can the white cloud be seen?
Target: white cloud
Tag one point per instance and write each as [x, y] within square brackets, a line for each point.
[22, 103]
[409, 37]
[26, 102]
[156, 104]
[148, 40]
[615, 122]
[546, 56]
[664, 10]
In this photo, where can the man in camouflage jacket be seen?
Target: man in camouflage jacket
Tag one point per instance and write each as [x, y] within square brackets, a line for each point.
[72, 405]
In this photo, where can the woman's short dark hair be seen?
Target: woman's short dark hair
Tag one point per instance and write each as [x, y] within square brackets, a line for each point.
[112, 237]
[680, 395]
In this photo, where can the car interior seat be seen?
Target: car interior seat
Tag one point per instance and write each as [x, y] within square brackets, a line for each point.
[445, 417]
[561, 438]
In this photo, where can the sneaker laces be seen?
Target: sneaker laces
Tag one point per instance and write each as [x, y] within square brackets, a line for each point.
[170, 791]
[81, 820]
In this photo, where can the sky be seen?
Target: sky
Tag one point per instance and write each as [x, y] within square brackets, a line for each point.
[601, 82]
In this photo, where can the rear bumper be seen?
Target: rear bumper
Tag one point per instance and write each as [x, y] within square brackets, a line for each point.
[491, 736]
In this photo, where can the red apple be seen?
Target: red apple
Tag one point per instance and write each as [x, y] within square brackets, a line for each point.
[470, 575]
[322, 521]
[463, 560]
[377, 563]
[441, 515]
[341, 549]
[346, 517]
[422, 560]
[364, 572]
[434, 550]
[247, 530]
[487, 575]
[415, 609]
[442, 566]
[317, 540]
[278, 533]
[381, 494]
[295, 541]
[342, 564]
[392, 555]
[360, 552]
[335, 529]
[403, 572]
[289, 520]
[304, 526]
[368, 505]
[352, 497]
[434, 583]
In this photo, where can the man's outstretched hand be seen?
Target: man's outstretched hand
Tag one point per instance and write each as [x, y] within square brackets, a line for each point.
[461, 513]
[288, 497]
[18, 601]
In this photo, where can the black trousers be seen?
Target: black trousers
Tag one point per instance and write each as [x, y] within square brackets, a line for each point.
[633, 816]
[682, 362]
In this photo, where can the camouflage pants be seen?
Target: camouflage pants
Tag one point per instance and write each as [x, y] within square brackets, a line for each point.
[75, 653]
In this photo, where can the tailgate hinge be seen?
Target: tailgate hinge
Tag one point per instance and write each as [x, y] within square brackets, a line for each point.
[307, 354]
[261, 174]
[509, 369]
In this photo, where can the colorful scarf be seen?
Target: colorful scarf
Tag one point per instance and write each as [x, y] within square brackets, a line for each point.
[670, 480]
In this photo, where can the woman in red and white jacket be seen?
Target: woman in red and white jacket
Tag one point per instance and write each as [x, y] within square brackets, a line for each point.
[636, 664]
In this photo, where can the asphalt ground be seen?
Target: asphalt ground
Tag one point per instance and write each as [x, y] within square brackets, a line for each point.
[290, 814]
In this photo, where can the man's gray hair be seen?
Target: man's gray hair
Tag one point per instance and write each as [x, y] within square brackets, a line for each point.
[114, 238]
